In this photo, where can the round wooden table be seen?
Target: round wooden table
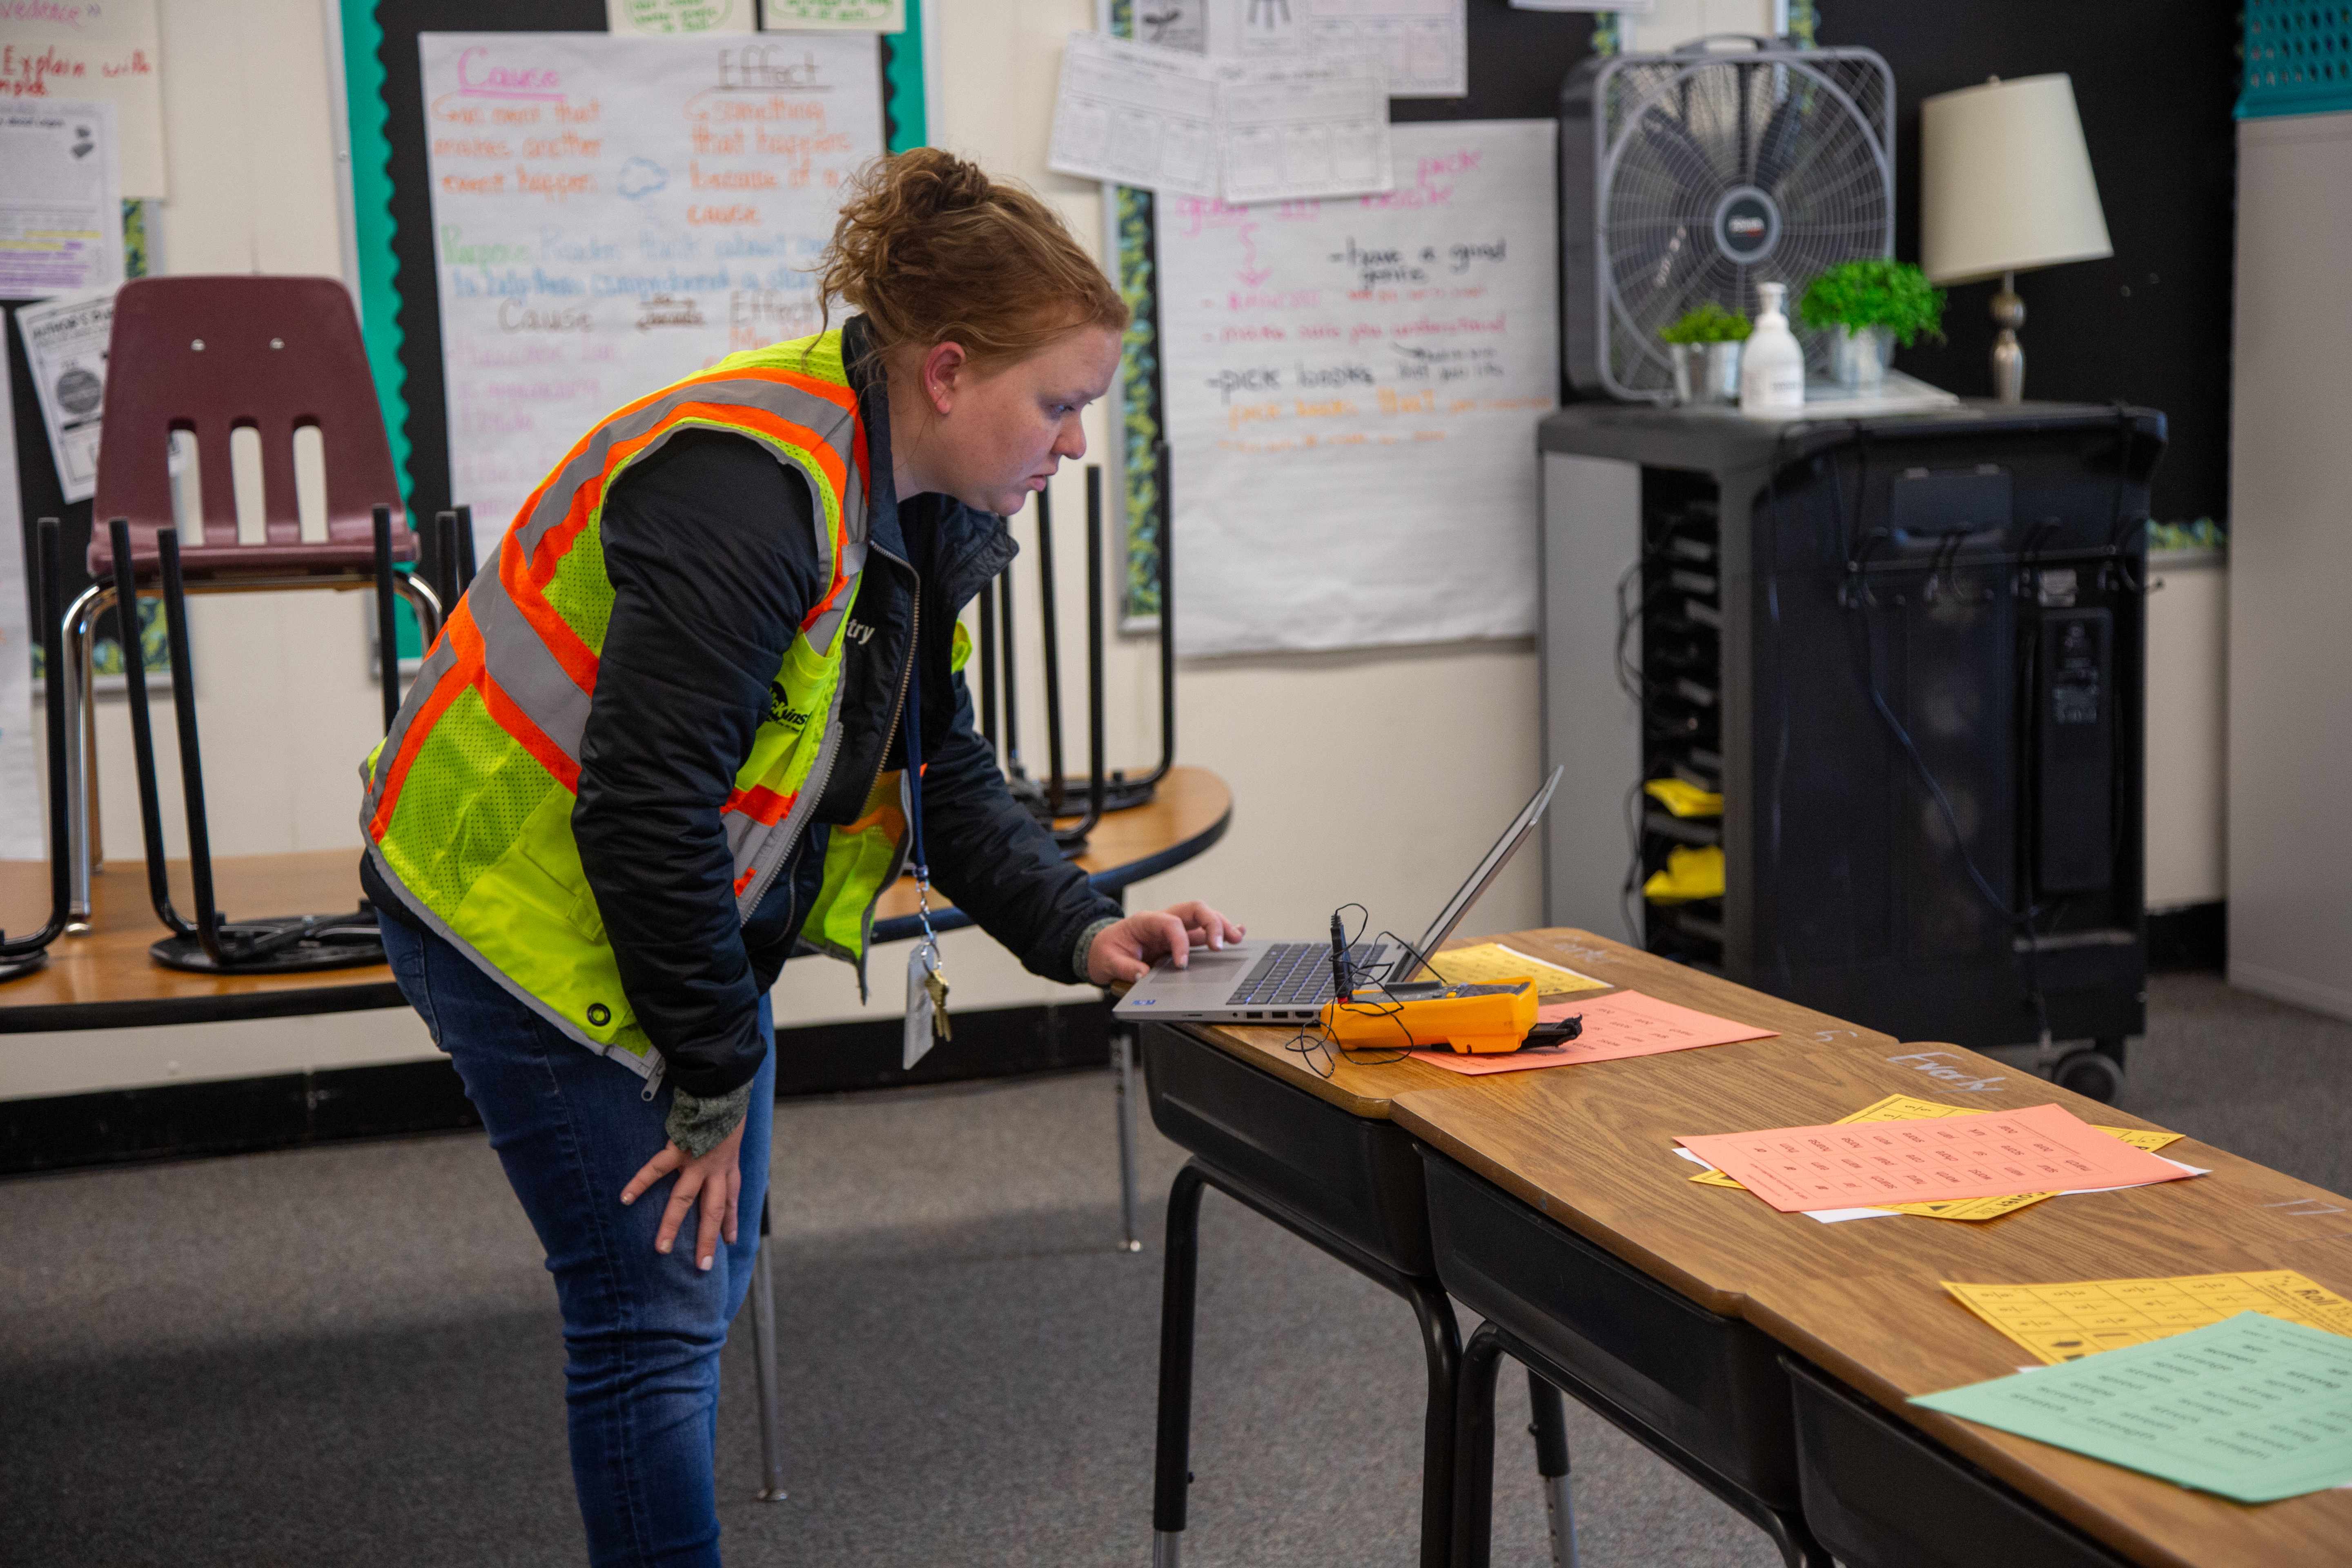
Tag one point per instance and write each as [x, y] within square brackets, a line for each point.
[105, 979]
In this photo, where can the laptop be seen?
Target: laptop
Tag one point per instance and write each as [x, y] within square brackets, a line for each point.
[1263, 982]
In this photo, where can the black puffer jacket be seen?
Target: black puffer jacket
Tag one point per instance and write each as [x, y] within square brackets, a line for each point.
[710, 547]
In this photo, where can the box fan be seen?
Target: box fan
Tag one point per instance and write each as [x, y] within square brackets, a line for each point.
[1697, 174]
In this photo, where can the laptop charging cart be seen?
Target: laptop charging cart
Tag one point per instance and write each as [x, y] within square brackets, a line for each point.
[1863, 635]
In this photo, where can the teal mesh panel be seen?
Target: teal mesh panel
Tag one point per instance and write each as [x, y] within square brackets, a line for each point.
[2298, 57]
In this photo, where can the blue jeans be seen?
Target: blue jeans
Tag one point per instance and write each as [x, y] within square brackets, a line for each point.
[643, 1330]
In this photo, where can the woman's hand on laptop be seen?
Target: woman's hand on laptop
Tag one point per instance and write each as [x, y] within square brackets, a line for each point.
[1124, 953]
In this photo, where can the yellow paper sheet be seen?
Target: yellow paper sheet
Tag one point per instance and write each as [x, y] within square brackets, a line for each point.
[1493, 960]
[1682, 798]
[1905, 1107]
[2067, 1322]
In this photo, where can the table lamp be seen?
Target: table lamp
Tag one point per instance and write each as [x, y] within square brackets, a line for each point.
[2005, 185]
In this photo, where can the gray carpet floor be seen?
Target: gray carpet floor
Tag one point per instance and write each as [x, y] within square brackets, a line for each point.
[351, 1355]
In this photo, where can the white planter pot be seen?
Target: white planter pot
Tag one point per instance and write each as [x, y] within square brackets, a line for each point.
[1858, 355]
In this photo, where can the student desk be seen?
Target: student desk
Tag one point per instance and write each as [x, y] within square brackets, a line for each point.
[1325, 1158]
[1560, 1209]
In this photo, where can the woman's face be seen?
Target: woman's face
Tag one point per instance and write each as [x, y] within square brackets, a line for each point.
[993, 438]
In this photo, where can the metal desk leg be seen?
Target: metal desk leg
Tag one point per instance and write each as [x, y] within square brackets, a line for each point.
[1549, 1429]
[1172, 1456]
[764, 1355]
[1474, 1497]
[1123, 1066]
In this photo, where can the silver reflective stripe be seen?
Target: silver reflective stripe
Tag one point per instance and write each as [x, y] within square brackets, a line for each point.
[828, 421]
[437, 664]
[526, 670]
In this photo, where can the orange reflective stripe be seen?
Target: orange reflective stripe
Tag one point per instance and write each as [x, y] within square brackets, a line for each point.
[521, 580]
[528, 735]
[761, 804]
[465, 642]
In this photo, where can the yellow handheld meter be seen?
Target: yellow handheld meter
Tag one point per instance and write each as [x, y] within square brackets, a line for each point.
[1493, 1015]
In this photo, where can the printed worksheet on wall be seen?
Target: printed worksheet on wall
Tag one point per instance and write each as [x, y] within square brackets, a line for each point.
[610, 214]
[1143, 116]
[1424, 45]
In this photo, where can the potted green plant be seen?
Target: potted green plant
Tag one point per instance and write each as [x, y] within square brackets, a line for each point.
[1704, 347]
[1868, 306]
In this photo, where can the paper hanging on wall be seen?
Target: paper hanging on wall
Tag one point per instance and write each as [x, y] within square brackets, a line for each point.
[610, 214]
[60, 198]
[1141, 116]
[1246, 130]
[849, 15]
[22, 836]
[1352, 390]
[671, 19]
[77, 50]
[65, 347]
[1424, 45]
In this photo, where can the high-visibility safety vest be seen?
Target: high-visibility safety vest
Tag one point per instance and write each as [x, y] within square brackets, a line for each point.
[470, 798]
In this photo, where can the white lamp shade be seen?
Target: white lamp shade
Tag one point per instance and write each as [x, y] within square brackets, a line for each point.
[2005, 181]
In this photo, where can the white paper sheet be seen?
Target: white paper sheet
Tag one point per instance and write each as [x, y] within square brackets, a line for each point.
[1352, 391]
[1306, 129]
[1143, 116]
[60, 197]
[64, 344]
[851, 16]
[1424, 45]
[22, 836]
[669, 18]
[84, 50]
[611, 213]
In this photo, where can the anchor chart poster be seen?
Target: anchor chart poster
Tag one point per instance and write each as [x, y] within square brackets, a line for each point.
[611, 213]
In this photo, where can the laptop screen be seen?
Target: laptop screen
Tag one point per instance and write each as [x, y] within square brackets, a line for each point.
[1487, 870]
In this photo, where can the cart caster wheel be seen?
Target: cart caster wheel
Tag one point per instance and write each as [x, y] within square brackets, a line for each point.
[2091, 1074]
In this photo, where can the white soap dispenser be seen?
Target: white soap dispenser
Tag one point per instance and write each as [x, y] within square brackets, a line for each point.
[1771, 365]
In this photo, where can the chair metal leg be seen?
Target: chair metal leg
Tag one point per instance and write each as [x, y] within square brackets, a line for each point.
[1172, 1455]
[73, 641]
[763, 1356]
[1549, 1429]
[1123, 1066]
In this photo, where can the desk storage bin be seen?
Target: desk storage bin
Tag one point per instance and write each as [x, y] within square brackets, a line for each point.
[1703, 1389]
[1880, 1494]
[1352, 1177]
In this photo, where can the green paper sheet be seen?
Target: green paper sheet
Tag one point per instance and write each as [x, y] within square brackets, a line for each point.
[2251, 1407]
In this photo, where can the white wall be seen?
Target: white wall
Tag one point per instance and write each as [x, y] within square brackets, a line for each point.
[2188, 722]
[2290, 557]
[1377, 777]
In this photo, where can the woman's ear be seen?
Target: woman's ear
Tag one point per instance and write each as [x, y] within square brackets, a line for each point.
[944, 371]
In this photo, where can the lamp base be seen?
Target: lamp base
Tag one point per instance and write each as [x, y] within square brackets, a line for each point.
[2008, 356]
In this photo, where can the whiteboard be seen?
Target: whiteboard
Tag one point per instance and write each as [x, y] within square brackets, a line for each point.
[1352, 388]
[611, 213]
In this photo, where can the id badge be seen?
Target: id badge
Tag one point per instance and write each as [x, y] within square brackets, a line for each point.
[926, 1002]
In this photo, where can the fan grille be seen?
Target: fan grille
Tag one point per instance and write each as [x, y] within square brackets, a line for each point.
[1719, 171]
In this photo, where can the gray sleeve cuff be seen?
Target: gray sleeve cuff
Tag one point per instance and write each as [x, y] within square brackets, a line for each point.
[1086, 946]
[698, 1125]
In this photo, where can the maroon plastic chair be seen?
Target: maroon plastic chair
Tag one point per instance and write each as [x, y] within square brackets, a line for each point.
[210, 355]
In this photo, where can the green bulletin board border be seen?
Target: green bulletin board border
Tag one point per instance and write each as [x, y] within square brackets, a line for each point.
[1140, 408]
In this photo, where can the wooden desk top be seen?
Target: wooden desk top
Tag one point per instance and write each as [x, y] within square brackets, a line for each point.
[1592, 1147]
[1371, 1090]
[105, 979]
[1185, 815]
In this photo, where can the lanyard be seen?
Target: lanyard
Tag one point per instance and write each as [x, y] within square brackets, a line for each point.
[912, 726]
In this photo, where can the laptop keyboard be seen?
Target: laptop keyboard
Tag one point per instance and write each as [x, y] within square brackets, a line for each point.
[1296, 974]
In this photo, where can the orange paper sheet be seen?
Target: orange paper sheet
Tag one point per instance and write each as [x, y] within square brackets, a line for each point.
[1625, 1025]
[1858, 1164]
